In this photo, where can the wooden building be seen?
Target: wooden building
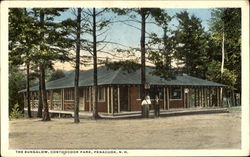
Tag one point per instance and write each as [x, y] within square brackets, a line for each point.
[119, 91]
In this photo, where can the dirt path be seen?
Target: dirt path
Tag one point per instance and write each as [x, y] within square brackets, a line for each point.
[211, 131]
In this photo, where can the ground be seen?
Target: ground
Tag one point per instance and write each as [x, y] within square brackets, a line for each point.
[204, 131]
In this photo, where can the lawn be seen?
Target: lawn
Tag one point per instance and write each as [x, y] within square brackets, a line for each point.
[208, 131]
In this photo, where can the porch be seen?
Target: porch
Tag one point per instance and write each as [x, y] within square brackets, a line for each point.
[136, 114]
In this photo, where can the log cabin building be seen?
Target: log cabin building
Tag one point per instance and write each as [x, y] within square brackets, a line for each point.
[119, 91]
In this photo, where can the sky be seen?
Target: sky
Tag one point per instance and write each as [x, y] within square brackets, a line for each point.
[130, 37]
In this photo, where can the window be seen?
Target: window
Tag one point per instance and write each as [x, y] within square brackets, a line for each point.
[101, 94]
[175, 93]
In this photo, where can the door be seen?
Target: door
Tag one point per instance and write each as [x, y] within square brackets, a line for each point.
[124, 98]
[81, 99]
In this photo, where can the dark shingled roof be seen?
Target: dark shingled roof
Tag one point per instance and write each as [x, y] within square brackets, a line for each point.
[119, 77]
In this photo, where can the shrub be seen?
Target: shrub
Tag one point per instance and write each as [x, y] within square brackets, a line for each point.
[16, 113]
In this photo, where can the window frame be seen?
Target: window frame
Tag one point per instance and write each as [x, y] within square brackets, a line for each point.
[171, 93]
[104, 94]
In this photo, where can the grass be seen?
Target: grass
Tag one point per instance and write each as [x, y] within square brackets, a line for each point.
[234, 108]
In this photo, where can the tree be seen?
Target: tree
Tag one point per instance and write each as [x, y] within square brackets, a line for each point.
[21, 29]
[16, 83]
[225, 26]
[96, 26]
[57, 74]
[78, 44]
[51, 45]
[72, 29]
[191, 44]
[143, 13]
[161, 49]
[95, 89]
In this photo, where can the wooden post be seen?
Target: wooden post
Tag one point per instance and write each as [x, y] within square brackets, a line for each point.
[51, 99]
[32, 100]
[217, 96]
[83, 98]
[221, 97]
[62, 99]
[188, 97]
[108, 99]
[184, 98]
[164, 98]
[209, 97]
[90, 99]
[129, 99]
[112, 103]
[204, 97]
[199, 97]
[118, 99]
[167, 98]
[194, 97]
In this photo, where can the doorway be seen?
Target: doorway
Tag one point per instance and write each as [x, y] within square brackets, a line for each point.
[123, 98]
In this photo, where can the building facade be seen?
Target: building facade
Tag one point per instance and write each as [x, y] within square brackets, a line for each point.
[119, 91]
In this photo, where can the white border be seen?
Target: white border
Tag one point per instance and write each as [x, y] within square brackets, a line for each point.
[244, 4]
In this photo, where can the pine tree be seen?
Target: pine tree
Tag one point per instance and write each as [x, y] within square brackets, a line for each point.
[21, 43]
[161, 48]
[143, 14]
[191, 44]
[51, 46]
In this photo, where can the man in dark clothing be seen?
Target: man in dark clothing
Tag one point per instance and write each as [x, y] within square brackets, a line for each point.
[157, 106]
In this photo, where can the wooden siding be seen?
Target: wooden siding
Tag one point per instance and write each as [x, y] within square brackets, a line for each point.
[176, 104]
[101, 107]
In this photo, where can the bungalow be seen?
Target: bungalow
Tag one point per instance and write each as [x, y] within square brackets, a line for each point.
[119, 91]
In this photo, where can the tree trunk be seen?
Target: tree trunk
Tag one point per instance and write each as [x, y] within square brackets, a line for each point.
[40, 103]
[76, 111]
[28, 80]
[167, 58]
[222, 54]
[46, 116]
[95, 89]
[143, 51]
[28, 89]
[222, 62]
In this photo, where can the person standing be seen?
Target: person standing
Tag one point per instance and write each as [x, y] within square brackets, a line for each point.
[157, 106]
[145, 107]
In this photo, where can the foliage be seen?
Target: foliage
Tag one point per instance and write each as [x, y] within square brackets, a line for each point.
[192, 42]
[128, 65]
[228, 20]
[22, 36]
[16, 83]
[56, 75]
[35, 40]
[161, 49]
[214, 74]
[16, 112]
